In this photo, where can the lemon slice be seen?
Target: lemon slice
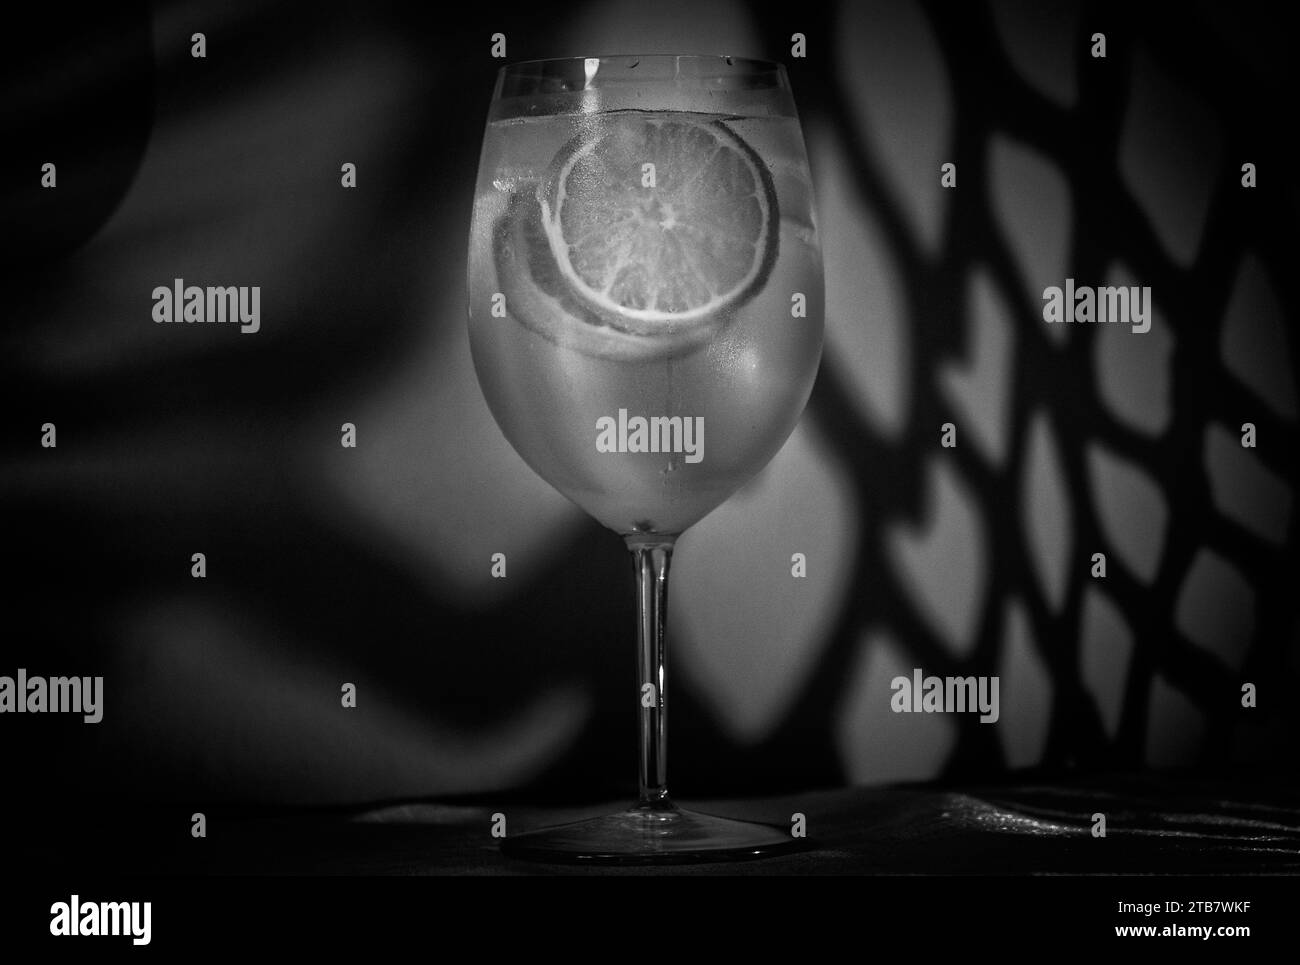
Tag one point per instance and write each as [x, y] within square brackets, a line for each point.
[660, 222]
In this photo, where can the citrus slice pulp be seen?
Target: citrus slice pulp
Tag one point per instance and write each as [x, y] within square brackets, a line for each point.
[658, 222]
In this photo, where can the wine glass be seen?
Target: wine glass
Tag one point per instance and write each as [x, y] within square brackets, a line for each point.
[645, 318]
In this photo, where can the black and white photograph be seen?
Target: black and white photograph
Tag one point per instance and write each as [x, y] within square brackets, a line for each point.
[677, 440]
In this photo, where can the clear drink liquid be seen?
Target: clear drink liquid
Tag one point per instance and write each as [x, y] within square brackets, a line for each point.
[550, 369]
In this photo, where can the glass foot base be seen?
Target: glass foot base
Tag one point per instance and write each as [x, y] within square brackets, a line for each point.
[662, 834]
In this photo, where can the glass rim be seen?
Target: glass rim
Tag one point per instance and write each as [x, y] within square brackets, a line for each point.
[555, 85]
[755, 64]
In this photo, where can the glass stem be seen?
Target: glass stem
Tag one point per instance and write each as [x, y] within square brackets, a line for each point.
[651, 556]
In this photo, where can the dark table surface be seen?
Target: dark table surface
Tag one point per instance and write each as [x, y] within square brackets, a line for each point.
[1153, 826]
